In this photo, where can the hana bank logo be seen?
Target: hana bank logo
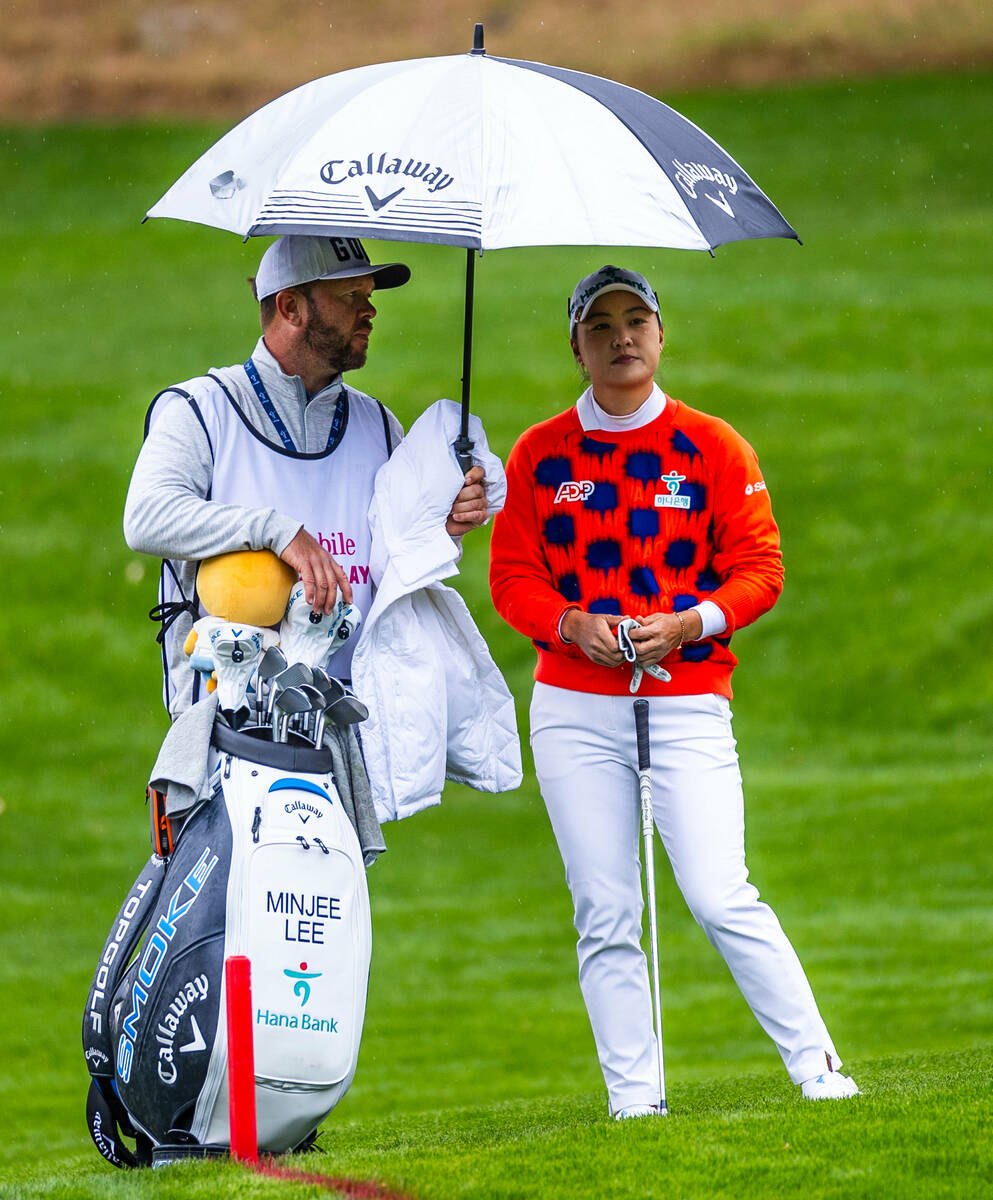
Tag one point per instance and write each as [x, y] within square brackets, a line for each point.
[671, 497]
[302, 988]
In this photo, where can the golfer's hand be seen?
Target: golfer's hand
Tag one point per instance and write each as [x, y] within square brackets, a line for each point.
[594, 635]
[320, 574]
[661, 632]
[469, 508]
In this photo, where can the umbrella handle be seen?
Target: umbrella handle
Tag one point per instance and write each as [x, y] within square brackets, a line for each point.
[463, 452]
[463, 444]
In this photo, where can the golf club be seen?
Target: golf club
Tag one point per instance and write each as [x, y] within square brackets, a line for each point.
[289, 701]
[292, 676]
[270, 665]
[317, 705]
[347, 710]
[648, 835]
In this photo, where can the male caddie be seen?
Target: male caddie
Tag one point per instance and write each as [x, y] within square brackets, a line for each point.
[277, 466]
[276, 453]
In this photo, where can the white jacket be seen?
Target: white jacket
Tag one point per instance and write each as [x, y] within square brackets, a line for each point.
[439, 707]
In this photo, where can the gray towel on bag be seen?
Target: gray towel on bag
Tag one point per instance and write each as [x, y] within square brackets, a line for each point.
[348, 767]
[181, 767]
[180, 771]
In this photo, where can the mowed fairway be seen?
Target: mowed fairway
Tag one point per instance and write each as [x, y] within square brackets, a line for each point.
[861, 368]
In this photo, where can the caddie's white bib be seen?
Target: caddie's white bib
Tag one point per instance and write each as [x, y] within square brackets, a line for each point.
[329, 492]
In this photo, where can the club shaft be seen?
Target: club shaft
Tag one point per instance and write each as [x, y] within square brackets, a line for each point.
[648, 836]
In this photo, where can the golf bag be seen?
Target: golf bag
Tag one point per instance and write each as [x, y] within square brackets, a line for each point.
[269, 867]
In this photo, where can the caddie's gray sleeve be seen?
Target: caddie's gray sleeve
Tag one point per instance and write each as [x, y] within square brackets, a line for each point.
[167, 514]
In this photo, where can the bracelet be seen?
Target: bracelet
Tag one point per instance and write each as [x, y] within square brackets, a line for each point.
[682, 628]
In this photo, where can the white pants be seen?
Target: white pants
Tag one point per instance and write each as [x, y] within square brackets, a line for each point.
[586, 759]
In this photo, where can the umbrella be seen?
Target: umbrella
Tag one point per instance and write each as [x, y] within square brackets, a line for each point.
[477, 151]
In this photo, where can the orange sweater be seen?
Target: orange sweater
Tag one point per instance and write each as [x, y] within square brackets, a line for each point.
[649, 520]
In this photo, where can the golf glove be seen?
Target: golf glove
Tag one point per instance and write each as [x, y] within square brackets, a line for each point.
[630, 653]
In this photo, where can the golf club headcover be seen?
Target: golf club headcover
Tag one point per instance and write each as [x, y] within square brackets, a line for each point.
[235, 649]
[198, 646]
[249, 586]
[310, 637]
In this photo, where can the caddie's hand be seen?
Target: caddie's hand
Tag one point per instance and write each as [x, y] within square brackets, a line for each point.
[594, 634]
[320, 574]
[469, 508]
[661, 632]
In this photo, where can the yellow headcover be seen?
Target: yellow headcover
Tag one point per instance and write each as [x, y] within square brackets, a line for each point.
[246, 585]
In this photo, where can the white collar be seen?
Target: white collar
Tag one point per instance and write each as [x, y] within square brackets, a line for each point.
[592, 416]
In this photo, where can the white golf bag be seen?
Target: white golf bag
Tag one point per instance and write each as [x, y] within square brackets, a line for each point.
[270, 867]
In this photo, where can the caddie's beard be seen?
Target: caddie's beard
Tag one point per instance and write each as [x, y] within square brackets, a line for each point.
[325, 341]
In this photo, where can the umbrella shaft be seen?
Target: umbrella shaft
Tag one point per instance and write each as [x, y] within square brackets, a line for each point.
[463, 446]
[470, 272]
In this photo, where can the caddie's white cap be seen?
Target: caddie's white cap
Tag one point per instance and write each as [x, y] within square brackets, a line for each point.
[608, 279]
[299, 258]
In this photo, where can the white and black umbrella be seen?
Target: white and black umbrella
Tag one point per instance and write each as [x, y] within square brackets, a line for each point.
[477, 151]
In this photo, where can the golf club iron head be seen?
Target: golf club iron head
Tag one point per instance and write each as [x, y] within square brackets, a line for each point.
[291, 676]
[270, 664]
[348, 710]
[287, 703]
[317, 706]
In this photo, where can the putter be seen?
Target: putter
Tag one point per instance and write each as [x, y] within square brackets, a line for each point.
[648, 835]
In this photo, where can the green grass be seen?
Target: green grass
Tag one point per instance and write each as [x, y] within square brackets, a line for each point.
[861, 368]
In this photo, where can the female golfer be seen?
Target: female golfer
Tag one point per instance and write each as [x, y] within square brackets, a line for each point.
[631, 504]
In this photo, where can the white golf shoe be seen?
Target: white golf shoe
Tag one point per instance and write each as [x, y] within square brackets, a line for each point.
[832, 1085]
[636, 1110]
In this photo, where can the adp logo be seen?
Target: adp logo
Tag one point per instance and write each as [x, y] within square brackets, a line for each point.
[572, 490]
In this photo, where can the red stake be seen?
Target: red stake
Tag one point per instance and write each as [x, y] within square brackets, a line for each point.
[241, 1093]
[241, 1059]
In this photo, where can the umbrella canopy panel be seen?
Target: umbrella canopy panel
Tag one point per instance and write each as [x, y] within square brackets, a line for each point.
[477, 151]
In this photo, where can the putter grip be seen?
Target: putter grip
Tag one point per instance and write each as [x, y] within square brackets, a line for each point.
[641, 729]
